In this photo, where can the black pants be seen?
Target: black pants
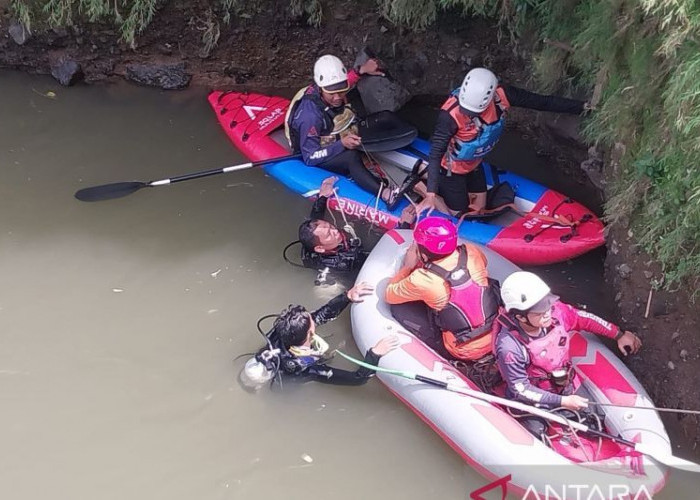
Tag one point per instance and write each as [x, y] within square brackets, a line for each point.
[417, 318]
[538, 425]
[349, 163]
[455, 188]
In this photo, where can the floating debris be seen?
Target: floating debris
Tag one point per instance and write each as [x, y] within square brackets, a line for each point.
[215, 273]
[307, 458]
[117, 290]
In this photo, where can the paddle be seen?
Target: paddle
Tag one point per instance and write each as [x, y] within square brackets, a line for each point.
[121, 189]
[670, 460]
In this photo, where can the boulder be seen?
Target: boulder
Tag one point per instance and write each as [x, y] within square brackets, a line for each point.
[166, 76]
[66, 71]
[380, 93]
[19, 33]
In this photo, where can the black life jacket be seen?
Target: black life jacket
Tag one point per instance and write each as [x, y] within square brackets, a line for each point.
[472, 308]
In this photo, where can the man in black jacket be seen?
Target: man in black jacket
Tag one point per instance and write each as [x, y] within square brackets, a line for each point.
[469, 125]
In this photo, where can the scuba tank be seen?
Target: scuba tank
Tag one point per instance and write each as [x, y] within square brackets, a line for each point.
[260, 369]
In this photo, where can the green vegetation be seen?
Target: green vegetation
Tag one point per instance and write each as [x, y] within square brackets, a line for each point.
[640, 59]
[133, 16]
[644, 57]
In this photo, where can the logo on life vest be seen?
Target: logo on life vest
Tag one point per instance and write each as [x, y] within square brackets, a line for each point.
[562, 341]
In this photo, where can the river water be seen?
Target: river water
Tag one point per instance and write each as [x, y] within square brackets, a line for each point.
[120, 320]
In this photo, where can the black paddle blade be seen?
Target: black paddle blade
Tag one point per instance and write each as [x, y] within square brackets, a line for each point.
[109, 191]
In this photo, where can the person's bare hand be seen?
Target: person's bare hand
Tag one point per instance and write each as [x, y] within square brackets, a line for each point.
[408, 214]
[411, 259]
[351, 141]
[371, 67]
[428, 203]
[630, 340]
[326, 189]
[386, 345]
[361, 289]
[574, 402]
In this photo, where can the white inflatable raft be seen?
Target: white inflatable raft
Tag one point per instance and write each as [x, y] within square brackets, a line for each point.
[492, 441]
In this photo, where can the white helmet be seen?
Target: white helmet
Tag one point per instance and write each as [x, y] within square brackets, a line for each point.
[526, 291]
[330, 74]
[478, 89]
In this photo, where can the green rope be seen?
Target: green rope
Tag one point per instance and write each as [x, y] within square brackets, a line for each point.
[377, 368]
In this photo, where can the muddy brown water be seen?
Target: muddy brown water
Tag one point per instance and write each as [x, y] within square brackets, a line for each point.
[120, 320]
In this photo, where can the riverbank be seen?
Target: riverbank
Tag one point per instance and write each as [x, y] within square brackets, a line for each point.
[263, 51]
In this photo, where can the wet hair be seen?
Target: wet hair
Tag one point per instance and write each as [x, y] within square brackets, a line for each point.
[292, 325]
[306, 234]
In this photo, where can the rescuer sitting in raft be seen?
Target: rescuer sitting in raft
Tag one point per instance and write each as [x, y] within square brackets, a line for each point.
[443, 288]
[327, 248]
[532, 347]
[468, 127]
[320, 125]
[296, 350]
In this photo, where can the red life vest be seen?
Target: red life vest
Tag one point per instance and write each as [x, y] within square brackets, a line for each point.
[472, 308]
[546, 355]
[469, 129]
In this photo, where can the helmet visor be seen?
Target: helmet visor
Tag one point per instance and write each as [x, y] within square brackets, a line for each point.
[337, 87]
[545, 304]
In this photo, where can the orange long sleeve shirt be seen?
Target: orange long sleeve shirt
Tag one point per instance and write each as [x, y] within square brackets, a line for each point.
[410, 285]
[420, 284]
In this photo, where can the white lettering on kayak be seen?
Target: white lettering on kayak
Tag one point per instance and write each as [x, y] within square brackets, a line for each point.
[270, 119]
[362, 211]
[250, 110]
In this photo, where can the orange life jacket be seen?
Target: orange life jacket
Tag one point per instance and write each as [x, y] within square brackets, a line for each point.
[476, 136]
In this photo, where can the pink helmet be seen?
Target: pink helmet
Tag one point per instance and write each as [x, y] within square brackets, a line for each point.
[436, 235]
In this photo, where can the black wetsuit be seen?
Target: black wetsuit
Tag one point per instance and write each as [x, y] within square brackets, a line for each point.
[347, 258]
[323, 373]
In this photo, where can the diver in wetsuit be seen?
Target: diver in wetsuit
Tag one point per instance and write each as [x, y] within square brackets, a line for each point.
[327, 248]
[295, 350]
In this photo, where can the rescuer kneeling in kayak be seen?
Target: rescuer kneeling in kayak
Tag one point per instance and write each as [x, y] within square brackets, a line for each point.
[320, 125]
[468, 127]
[327, 248]
[452, 281]
[296, 350]
[532, 347]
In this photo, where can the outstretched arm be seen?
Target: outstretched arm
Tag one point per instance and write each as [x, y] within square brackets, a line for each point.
[525, 99]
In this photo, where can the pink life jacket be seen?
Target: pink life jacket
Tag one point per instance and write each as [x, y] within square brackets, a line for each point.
[546, 355]
[472, 309]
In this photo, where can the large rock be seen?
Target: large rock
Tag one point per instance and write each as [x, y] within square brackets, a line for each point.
[66, 71]
[380, 93]
[165, 76]
[19, 33]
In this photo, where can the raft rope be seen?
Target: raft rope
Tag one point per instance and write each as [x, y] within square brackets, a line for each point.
[556, 221]
[347, 227]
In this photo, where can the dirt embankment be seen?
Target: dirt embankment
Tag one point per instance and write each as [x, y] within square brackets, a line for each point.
[272, 49]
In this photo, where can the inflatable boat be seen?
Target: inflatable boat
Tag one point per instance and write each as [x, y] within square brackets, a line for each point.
[544, 226]
[487, 436]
